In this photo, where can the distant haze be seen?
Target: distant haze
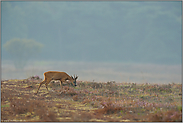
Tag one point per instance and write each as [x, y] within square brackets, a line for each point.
[100, 41]
[99, 71]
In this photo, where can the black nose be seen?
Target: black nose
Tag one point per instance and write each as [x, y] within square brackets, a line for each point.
[75, 85]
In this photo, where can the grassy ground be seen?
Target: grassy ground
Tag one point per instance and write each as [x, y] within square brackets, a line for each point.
[90, 101]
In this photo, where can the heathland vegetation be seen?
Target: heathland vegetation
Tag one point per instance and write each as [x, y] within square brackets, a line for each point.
[90, 101]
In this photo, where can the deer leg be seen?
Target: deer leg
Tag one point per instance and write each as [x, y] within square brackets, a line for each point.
[46, 87]
[46, 83]
[61, 85]
[40, 86]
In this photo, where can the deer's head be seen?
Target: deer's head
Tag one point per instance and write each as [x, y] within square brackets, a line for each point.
[74, 80]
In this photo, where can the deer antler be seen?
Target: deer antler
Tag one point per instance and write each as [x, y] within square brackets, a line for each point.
[75, 76]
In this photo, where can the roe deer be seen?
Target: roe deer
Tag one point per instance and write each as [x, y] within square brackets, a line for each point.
[56, 75]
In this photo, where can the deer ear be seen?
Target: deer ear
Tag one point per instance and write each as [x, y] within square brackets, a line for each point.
[76, 77]
[72, 77]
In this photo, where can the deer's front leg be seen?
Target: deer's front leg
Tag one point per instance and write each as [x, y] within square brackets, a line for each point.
[39, 86]
[46, 84]
[61, 84]
[46, 87]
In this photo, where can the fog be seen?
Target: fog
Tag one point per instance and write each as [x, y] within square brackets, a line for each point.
[99, 41]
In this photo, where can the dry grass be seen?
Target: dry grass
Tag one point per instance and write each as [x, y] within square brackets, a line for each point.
[90, 101]
[166, 116]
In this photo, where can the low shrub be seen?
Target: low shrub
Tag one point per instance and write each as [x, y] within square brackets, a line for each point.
[45, 115]
[19, 106]
[82, 117]
[108, 107]
[168, 116]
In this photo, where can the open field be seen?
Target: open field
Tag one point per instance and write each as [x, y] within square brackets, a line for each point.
[90, 101]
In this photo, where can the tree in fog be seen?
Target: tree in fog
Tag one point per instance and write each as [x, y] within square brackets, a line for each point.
[22, 50]
[147, 32]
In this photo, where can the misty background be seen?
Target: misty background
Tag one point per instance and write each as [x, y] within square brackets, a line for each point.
[99, 41]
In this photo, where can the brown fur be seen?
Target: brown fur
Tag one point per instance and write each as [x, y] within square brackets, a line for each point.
[56, 75]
